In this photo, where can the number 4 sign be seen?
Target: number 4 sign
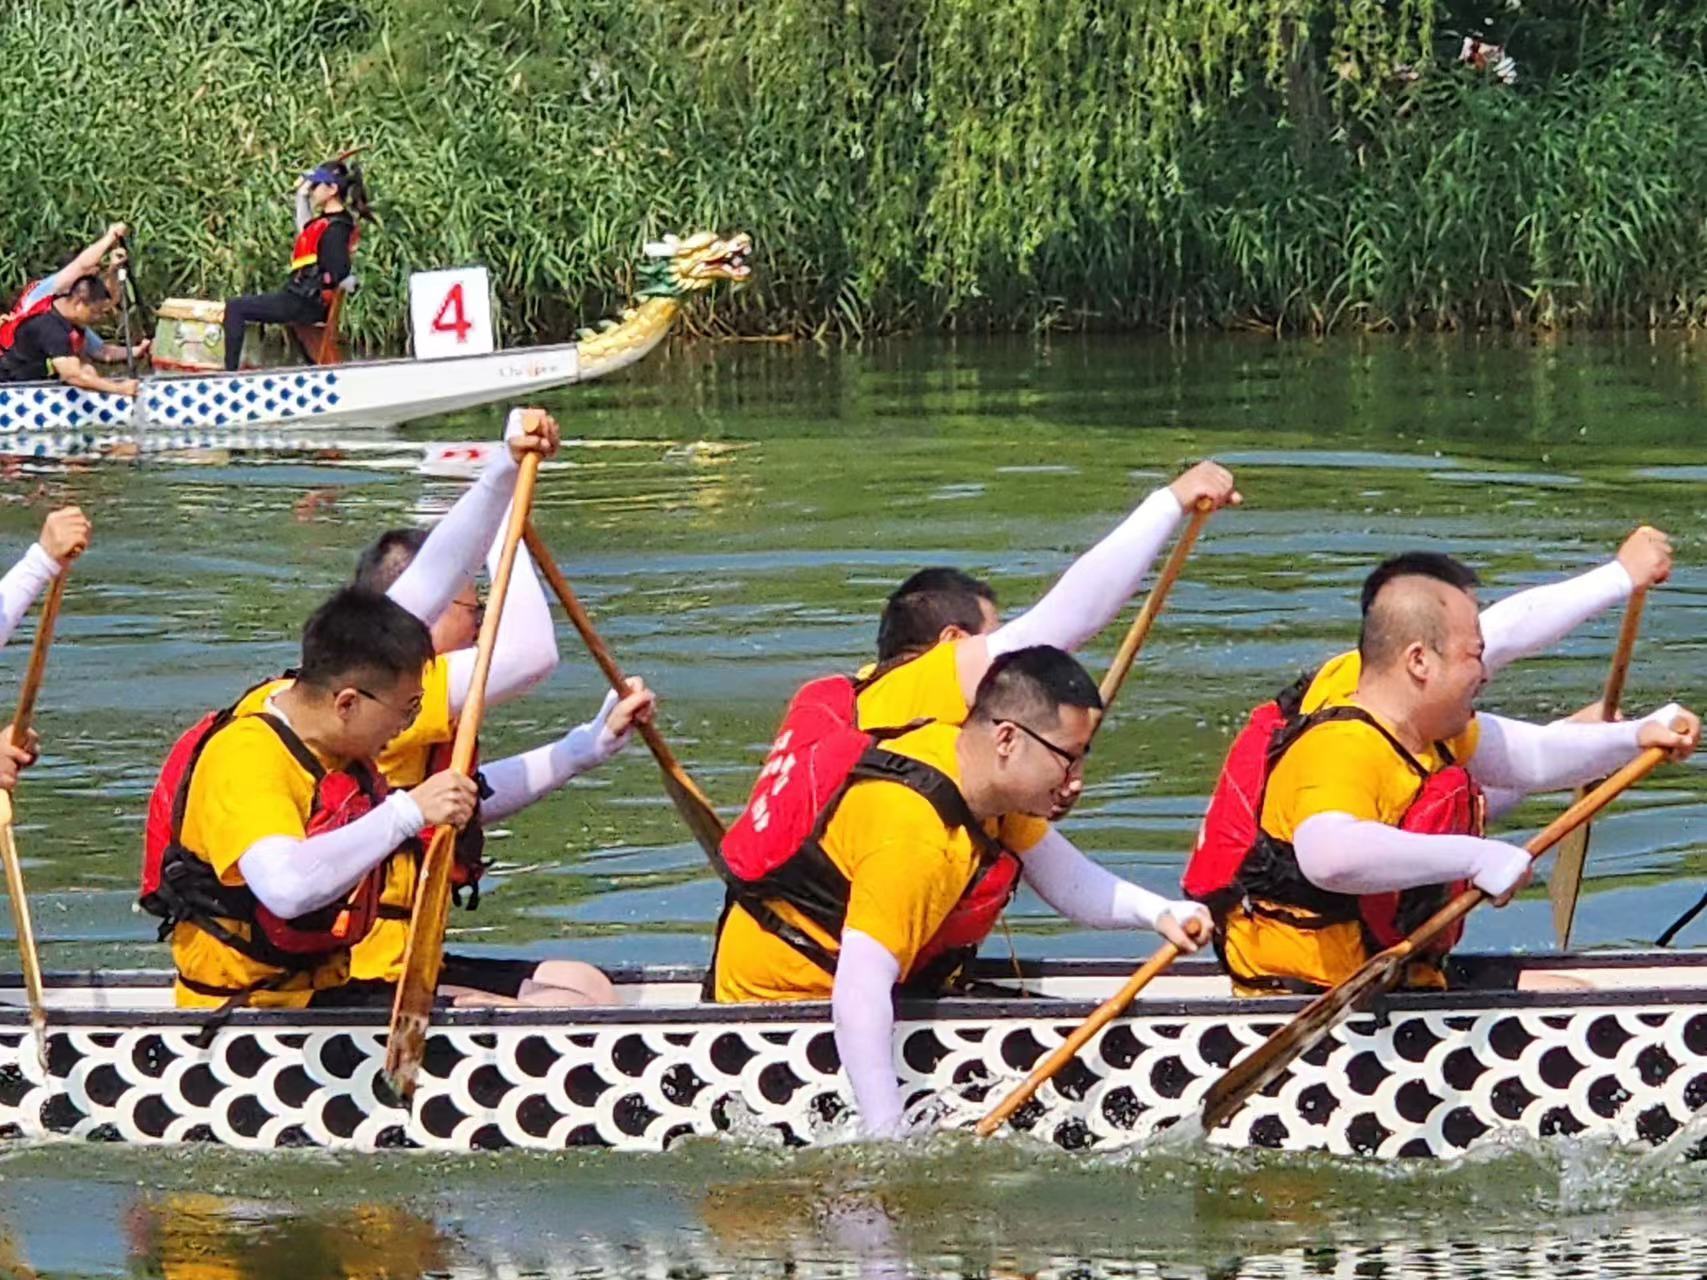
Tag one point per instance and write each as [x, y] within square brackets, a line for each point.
[450, 313]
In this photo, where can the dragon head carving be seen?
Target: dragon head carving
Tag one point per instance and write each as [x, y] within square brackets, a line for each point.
[674, 267]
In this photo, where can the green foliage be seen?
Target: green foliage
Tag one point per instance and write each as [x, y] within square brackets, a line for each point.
[901, 163]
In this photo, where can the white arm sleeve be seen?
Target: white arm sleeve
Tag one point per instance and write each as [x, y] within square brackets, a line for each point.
[862, 1005]
[1539, 618]
[290, 876]
[525, 652]
[452, 552]
[1515, 755]
[304, 210]
[518, 781]
[1344, 854]
[1097, 585]
[21, 585]
[1084, 892]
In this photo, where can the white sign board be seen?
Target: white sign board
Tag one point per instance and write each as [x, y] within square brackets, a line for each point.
[450, 313]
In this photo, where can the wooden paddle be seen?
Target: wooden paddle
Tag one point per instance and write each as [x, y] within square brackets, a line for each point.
[1251, 1073]
[423, 954]
[684, 793]
[28, 960]
[1115, 1005]
[1566, 883]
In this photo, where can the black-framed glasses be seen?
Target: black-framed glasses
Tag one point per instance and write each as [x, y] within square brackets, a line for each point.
[411, 712]
[477, 608]
[1068, 760]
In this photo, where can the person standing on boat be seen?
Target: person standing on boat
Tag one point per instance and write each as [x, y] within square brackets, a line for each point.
[908, 862]
[64, 536]
[523, 656]
[329, 199]
[47, 340]
[276, 821]
[92, 260]
[1351, 807]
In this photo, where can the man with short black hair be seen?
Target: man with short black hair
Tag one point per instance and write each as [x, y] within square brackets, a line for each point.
[524, 654]
[916, 891]
[933, 605]
[47, 340]
[1352, 851]
[277, 847]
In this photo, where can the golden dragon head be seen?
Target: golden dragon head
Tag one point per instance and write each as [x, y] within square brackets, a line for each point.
[674, 267]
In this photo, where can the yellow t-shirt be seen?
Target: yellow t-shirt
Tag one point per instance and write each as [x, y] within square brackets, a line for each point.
[926, 688]
[904, 868]
[246, 786]
[1347, 766]
[404, 762]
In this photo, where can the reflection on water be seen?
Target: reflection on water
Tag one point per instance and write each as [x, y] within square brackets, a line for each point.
[733, 517]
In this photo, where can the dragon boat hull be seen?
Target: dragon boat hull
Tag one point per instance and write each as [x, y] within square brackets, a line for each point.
[197, 411]
[1608, 1045]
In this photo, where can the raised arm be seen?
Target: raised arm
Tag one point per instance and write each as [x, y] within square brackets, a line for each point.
[1094, 589]
[1534, 620]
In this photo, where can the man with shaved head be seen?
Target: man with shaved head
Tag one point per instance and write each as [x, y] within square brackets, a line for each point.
[1368, 806]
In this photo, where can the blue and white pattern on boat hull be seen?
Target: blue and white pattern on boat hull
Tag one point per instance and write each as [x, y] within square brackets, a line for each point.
[242, 401]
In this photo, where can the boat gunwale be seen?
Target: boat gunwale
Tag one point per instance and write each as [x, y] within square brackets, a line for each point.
[952, 1009]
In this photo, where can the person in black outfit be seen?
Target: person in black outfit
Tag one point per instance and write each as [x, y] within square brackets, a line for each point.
[328, 199]
[49, 344]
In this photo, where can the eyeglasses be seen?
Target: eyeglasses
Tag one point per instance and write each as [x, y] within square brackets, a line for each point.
[1069, 761]
[477, 607]
[409, 713]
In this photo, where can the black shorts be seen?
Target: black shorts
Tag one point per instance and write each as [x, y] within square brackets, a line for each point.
[493, 976]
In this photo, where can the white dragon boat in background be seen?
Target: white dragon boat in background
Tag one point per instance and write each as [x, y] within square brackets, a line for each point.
[259, 407]
[1605, 1044]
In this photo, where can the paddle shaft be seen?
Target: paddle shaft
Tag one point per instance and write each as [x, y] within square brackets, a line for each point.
[423, 954]
[705, 821]
[1105, 1013]
[1566, 884]
[1140, 628]
[1247, 1076]
[29, 961]
[1116, 1004]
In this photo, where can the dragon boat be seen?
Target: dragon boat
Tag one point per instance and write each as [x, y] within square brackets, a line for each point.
[212, 410]
[1606, 1044]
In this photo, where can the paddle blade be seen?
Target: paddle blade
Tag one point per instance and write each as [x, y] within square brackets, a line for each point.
[1564, 886]
[423, 956]
[1252, 1073]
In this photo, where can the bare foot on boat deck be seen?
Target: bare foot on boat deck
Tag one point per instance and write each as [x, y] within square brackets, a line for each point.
[1541, 980]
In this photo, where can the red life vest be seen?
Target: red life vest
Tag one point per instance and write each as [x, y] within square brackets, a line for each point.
[774, 850]
[305, 253]
[179, 886]
[14, 320]
[1235, 860]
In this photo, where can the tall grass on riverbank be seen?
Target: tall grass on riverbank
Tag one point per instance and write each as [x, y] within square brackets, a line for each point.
[965, 164]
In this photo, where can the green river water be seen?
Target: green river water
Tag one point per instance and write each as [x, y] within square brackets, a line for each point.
[733, 516]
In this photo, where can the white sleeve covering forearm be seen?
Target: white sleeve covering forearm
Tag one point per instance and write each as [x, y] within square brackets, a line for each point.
[1083, 891]
[454, 549]
[21, 585]
[862, 1004]
[1540, 617]
[304, 209]
[1344, 854]
[1097, 585]
[1514, 755]
[525, 651]
[518, 781]
[290, 875]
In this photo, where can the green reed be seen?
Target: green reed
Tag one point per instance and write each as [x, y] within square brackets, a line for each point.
[965, 164]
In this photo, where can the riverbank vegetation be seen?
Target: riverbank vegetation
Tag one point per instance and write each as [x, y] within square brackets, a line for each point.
[1301, 165]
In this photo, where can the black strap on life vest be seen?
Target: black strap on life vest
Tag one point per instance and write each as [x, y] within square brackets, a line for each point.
[192, 892]
[1270, 881]
[813, 885]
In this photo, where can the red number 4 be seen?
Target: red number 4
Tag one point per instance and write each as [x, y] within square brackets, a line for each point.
[458, 321]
